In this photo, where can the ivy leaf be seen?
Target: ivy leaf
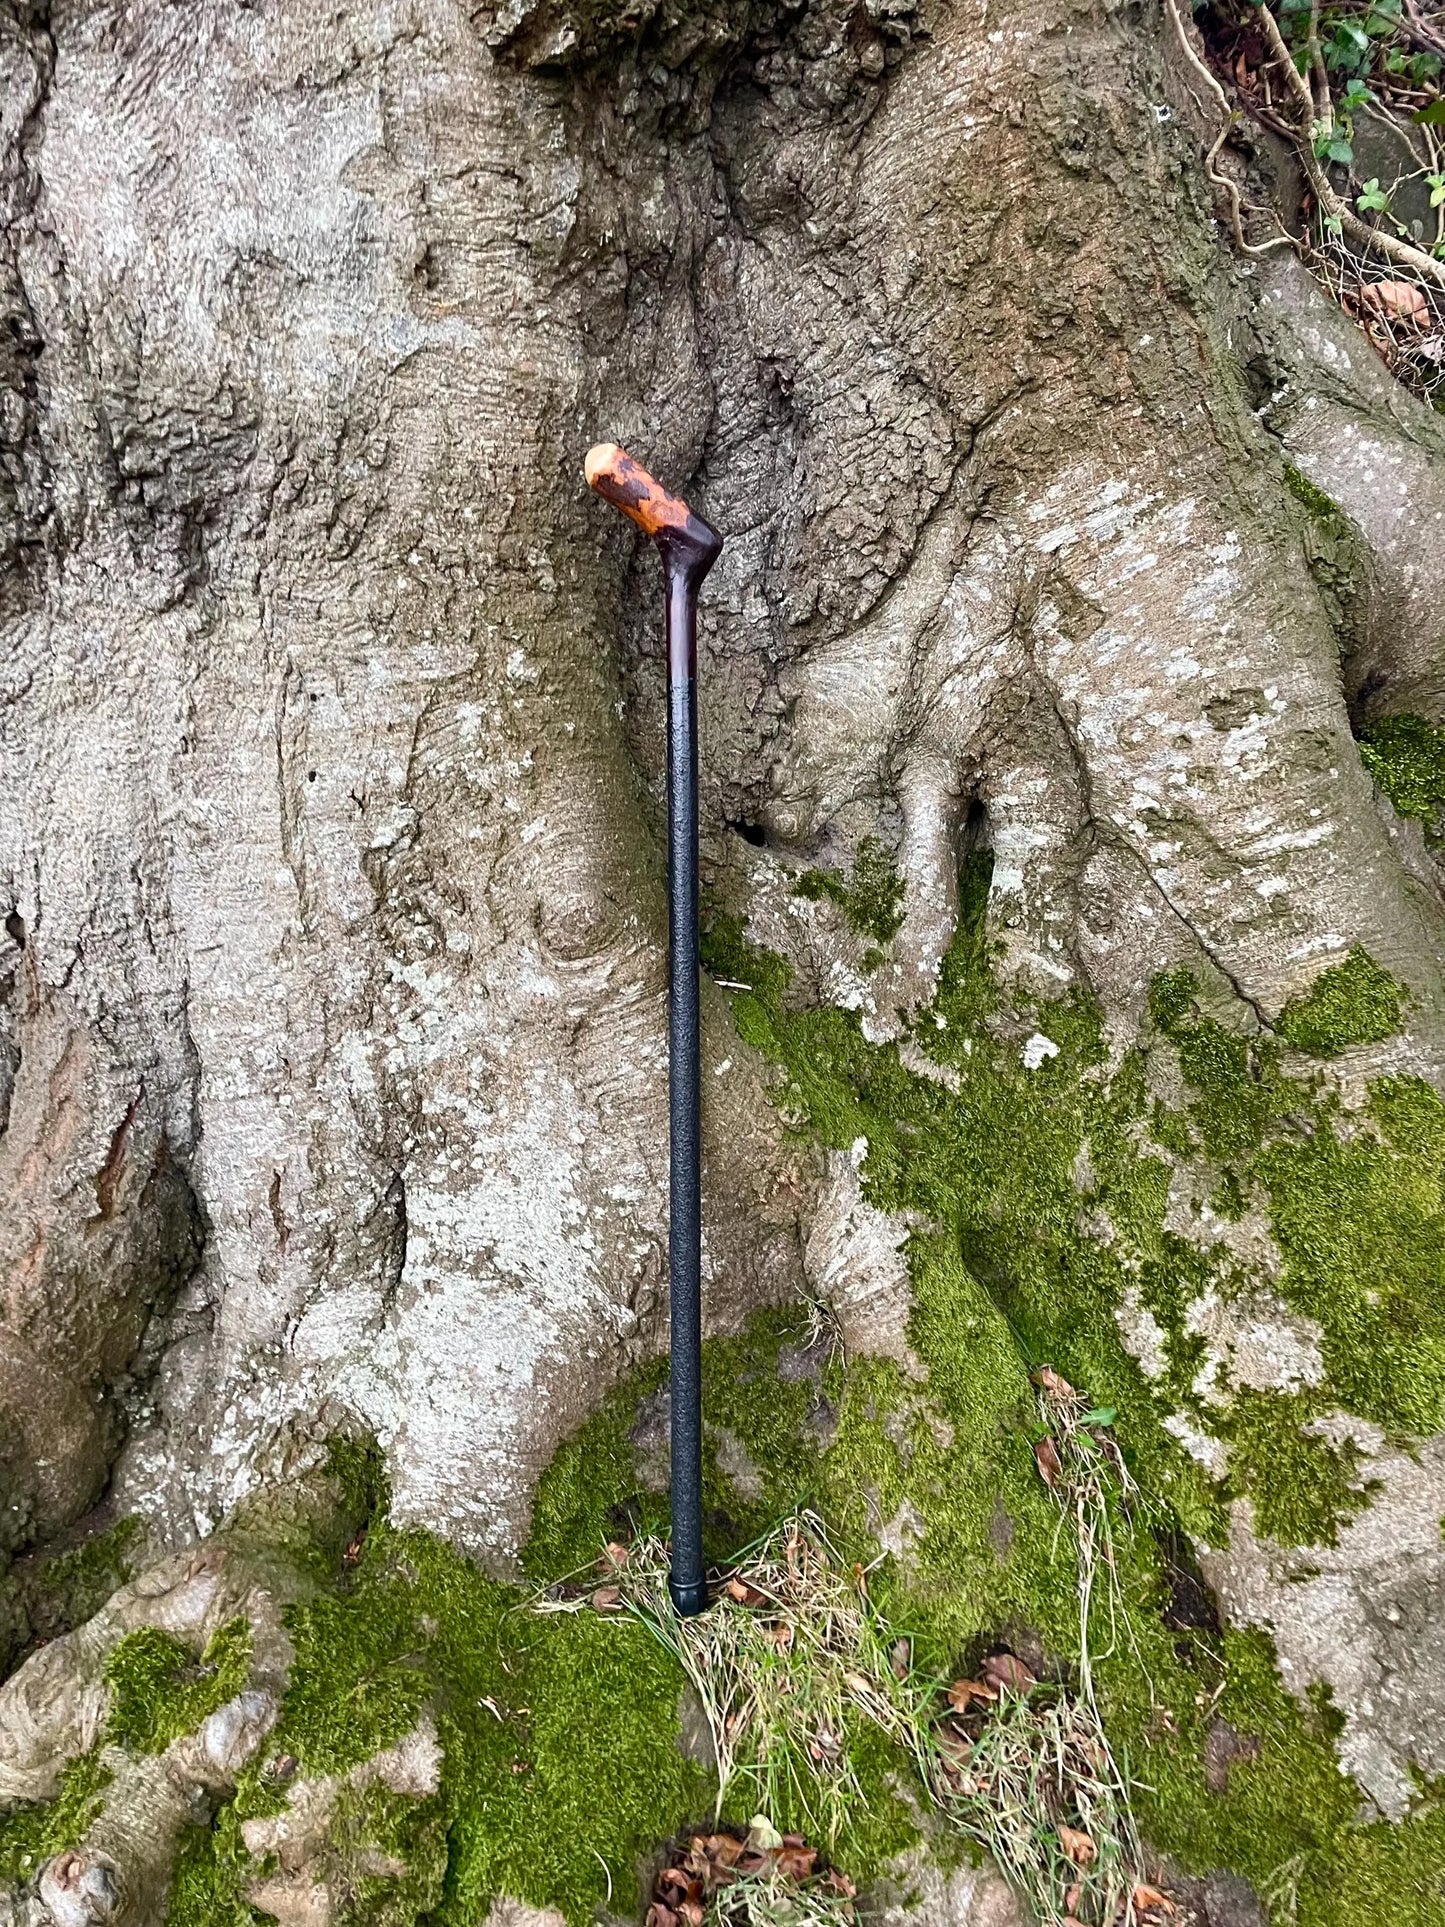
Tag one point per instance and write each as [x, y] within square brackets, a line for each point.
[1373, 200]
[1431, 116]
[1100, 1415]
[1337, 148]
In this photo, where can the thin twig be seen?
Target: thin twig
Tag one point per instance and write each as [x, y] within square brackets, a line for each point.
[1324, 104]
[1329, 202]
[1217, 177]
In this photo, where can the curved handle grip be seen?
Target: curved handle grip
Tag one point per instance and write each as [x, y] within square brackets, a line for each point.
[628, 486]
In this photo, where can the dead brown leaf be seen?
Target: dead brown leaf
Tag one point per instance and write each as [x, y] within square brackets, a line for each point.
[722, 1848]
[1054, 1383]
[1078, 1846]
[1397, 301]
[1046, 1458]
[606, 1599]
[1007, 1670]
[743, 1593]
[617, 1553]
[797, 1863]
[901, 1658]
[964, 1692]
[1146, 1898]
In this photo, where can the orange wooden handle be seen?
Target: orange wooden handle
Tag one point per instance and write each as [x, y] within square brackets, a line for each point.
[628, 486]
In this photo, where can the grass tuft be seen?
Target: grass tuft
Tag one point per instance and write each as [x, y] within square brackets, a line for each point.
[787, 1662]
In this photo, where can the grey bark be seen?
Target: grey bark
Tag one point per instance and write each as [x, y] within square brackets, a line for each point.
[331, 1037]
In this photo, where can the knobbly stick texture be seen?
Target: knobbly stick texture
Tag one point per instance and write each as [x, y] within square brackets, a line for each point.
[628, 486]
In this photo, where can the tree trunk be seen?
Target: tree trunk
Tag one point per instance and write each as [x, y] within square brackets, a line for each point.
[332, 1064]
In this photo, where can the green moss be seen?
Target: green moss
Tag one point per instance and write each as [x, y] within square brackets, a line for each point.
[591, 1491]
[1406, 757]
[78, 1583]
[1354, 1002]
[871, 899]
[1361, 1228]
[598, 1780]
[1319, 505]
[1304, 1487]
[1332, 549]
[560, 1735]
[29, 1835]
[159, 1690]
[1237, 1089]
[727, 954]
[43, 1597]
[360, 1677]
[209, 1877]
[374, 1824]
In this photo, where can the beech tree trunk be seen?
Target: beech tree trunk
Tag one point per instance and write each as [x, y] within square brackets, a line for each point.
[332, 996]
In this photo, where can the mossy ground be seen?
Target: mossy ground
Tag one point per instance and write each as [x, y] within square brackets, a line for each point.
[1042, 1198]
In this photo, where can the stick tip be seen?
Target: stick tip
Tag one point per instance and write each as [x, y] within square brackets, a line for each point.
[602, 459]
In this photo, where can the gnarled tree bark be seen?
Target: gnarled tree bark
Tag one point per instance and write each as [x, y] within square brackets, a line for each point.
[332, 999]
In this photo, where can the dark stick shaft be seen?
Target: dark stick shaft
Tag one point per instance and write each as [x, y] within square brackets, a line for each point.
[684, 1239]
[689, 546]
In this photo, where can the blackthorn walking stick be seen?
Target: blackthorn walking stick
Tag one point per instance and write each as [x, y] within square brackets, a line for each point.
[689, 547]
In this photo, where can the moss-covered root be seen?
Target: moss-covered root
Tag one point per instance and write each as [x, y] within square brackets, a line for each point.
[114, 1738]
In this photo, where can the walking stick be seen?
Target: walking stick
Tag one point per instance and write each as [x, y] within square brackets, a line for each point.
[689, 547]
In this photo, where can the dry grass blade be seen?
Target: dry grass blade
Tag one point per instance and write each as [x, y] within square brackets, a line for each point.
[1037, 1787]
[793, 1658]
[789, 1657]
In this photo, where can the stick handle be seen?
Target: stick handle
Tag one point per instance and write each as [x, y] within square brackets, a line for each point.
[626, 484]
